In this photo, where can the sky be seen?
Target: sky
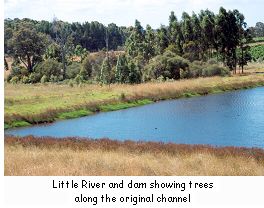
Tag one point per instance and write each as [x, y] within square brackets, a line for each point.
[124, 12]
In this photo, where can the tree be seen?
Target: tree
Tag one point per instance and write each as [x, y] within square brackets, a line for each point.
[80, 52]
[134, 76]
[187, 29]
[121, 70]
[105, 74]
[27, 45]
[208, 41]
[135, 42]
[63, 39]
[87, 68]
[175, 37]
[228, 36]
[259, 29]
[149, 43]
[162, 39]
[244, 37]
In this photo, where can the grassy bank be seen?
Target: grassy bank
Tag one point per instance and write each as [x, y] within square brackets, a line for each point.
[71, 156]
[32, 104]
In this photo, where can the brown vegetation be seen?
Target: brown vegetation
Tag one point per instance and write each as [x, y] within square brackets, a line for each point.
[71, 156]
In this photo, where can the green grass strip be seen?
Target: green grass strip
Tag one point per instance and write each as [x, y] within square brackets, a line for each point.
[74, 114]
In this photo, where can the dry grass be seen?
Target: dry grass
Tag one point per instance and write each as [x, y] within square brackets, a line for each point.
[69, 156]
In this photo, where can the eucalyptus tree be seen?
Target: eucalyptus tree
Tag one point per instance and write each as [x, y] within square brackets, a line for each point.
[27, 45]
[63, 39]
[149, 43]
[135, 42]
[227, 37]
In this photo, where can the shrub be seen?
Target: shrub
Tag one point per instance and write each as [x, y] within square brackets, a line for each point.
[78, 79]
[167, 65]
[70, 83]
[18, 71]
[14, 80]
[213, 70]
[87, 68]
[72, 70]
[53, 78]
[25, 80]
[212, 61]
[49, 67]
[34, 77]
[44, 79]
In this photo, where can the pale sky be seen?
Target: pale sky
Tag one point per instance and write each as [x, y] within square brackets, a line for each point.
[124, 12]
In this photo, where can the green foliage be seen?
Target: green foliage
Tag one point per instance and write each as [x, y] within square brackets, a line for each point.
[53, 78]
[78, 79]
[257, 52]
[105, 74]
[25, 79]
[87, 68]
[81, 52]
[191, 51]
[49, 67]
[213, 70]
[121, 70]
[14, 80]
[34, 77]
[74, 114]
[73, 70]
[70, 83]
[134, 76]
[44, 79]
[28, 45]
[53, 52]
[167, 65]
[18, 71]
[135, 42]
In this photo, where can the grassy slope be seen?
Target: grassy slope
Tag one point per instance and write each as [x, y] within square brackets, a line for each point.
[47, 156]
[31, 104]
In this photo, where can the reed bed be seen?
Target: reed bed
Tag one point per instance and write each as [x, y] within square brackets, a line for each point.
[78, 156]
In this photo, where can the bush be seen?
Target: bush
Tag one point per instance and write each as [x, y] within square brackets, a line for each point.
[167, 65]
[44, 79]
[49, 67]
[72, 70]
[18, 71]
[213, 70]
[212, 61]
[87, 68]
[53, 78]
[70, 83]
[14, 80]
[25, 80]
[78, 79]
[34, 77]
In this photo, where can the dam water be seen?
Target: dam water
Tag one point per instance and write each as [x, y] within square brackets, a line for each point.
[226, 119]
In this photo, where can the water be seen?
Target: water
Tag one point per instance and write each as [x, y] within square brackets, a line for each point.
[227, 119]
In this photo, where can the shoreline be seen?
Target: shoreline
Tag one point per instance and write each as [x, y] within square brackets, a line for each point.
[78, 156]
[133, 100]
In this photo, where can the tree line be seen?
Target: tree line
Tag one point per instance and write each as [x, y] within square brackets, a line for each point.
[193, 46]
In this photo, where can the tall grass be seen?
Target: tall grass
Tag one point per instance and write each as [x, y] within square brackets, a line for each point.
[71, 156]
[45, 103]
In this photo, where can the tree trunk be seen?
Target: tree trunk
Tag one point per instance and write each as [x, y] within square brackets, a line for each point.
[242, 54]
[29, 64]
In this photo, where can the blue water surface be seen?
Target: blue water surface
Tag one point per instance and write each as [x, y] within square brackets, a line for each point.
[227, 119]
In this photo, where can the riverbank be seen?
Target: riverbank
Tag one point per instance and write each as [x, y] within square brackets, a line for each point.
[33, 104]
[71, 156]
